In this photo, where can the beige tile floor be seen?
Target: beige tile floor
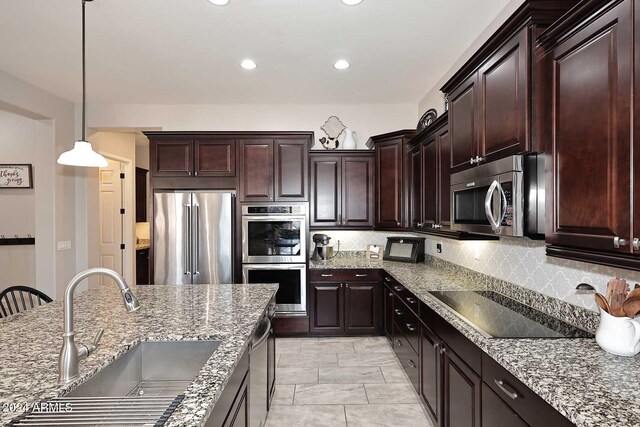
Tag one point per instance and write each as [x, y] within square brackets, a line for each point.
[327, 382]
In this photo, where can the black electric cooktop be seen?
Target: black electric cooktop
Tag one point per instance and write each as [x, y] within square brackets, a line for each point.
[497, 316]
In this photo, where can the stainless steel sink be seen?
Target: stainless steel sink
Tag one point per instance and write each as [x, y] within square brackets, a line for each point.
[158, 368]
[142, 387]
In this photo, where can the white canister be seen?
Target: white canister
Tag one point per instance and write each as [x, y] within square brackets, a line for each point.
[349, 142]
[618, 335]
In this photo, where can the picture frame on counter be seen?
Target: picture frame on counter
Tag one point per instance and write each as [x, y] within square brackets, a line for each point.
[16, 176]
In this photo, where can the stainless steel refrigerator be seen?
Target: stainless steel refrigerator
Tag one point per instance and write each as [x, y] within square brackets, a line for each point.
[193, 237]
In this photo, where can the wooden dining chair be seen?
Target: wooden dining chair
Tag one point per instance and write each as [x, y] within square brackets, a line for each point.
[16, 299]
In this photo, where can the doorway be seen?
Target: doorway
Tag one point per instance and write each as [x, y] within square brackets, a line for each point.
[111, 211]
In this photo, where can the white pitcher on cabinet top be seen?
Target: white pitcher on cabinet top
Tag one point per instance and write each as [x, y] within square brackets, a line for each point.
[349, 142]
[618, 335]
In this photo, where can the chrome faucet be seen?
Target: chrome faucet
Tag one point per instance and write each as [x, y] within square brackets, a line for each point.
[70, 354]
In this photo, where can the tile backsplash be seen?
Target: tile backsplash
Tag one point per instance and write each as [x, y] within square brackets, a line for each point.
[519, 261]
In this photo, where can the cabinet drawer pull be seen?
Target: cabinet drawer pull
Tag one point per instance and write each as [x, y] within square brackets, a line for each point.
[397, 288]
[503, 386]
[617, 242]
[412, 363]
[436, 346]
[399, 343]
[636, 244]
[326, 275]
[390, 294]
[443, 349]
[386, 279]
[398, 312]
[410, 327]
[410, 300]
[361, 275]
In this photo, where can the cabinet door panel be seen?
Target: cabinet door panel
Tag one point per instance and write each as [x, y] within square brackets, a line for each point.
[463, 123]
[361, 308]
[326, 201]
[256, 171]
[388, 312]
[504, 82]
[444, 173]
[291, 169]
[357, 192]
[389, 173]
[414, 183]
[496, 413]
[430, 182]
[461, 393]
[327, 307]
[215, 158]
[431, 374]
[590, 145]
[171, 157]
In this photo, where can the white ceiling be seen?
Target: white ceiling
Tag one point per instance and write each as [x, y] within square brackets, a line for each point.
[188, 51]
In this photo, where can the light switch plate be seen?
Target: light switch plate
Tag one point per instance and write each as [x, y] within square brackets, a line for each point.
[64, 245]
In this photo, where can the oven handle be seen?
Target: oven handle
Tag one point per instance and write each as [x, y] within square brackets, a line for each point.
[495, 225]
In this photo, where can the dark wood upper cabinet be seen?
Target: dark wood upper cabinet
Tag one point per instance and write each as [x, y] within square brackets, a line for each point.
[256, 170]
[214, 157]
[635, 243]
[463, 118]
[390, 177]
[589, 173]
[493, 98]
[429, 188]
[462, 388]
[414, 193]
[171, 156]
[444, 178]
[291, 175]
[342, 189]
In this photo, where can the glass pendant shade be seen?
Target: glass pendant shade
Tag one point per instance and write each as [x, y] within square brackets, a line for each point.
[82, 155]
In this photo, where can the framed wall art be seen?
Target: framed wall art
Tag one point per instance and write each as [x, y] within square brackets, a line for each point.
[16, 176]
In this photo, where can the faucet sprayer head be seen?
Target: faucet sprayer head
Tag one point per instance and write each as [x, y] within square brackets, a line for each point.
[130, 301]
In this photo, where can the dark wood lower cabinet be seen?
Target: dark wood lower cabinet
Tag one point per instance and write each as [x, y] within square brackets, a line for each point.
[431, 374]
[388, 311]
[142, 267]
[361, 308]
[496, 413]
[462, 388]
[327, 308]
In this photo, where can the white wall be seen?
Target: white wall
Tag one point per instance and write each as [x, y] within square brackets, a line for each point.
[54, 185]
[17, 212]
[434, 98]
[365, 119]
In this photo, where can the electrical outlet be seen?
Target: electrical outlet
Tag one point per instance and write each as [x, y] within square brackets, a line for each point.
[439, 248]
[64, 245]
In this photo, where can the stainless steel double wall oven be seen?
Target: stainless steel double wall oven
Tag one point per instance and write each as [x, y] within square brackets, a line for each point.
[274, 250]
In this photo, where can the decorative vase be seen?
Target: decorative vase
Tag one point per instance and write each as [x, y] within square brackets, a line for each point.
[349, 142]
[618, 335]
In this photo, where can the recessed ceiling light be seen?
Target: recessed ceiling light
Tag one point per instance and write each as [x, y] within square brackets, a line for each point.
[248, 64]
[348, 2]
[223, 2]
[341, 65]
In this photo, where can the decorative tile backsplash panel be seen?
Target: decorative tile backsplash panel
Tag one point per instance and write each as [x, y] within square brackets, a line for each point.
[519, 261]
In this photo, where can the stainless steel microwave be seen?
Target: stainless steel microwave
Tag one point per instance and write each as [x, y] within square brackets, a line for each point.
[504, 197]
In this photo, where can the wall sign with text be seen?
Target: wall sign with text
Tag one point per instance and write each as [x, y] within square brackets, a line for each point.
[16, 176]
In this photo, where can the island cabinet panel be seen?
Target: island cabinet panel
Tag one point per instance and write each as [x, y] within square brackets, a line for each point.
[346, 302]
[505, 88]
[232, 408]
[327, 307]
[326, 201]
[390, 171]
[256, 170]
[342, 189]
[214, 157]
[291, 175]
[589, 180]
[463, 123]
[171, 156]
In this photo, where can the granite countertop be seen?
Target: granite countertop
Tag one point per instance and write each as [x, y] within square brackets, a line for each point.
[584, 383]
[31, 340]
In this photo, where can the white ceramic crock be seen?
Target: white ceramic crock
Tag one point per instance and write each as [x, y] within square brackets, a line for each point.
[618, 335]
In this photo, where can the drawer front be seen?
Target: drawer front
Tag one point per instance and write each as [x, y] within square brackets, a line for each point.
[344, 275]
[496, 413]
[407, 322]
[467, 350]
[528, 405]
[403, 294]
[408, 357]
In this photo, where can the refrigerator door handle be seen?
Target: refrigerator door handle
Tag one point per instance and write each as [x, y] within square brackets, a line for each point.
[196, 243]
[187, 239]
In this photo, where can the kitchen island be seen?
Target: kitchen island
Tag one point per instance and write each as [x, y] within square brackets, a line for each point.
[575, 376]
[31, 340]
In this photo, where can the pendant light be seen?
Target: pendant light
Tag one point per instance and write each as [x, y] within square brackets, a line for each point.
[82, 154]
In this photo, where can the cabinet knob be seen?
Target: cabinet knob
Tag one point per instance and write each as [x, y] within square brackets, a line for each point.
[618, 242]
[636, 244]
[420, 225]
[410, 327]
[196, 173]
[412, 363]
[443, 349]
[472, 160]
[436, 346]
[399, 343]
[398, 223]
[480, 159]
[398, 312]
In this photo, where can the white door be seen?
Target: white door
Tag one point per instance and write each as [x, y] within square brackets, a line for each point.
[111, 217]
